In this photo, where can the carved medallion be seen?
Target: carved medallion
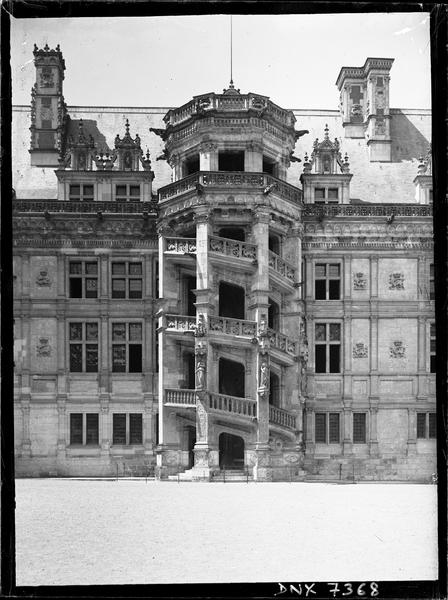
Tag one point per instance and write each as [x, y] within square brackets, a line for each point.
[396, 281]
[360, 350]
[397, 349]
[43, 347]
[359, 281]
[43, 280]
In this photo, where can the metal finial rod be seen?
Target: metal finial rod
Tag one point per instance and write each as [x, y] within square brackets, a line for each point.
[231, 51]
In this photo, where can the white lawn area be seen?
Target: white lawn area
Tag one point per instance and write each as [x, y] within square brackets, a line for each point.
[78, 532]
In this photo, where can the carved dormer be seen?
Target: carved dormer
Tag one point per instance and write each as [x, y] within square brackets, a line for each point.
[423, 181]
[80, 151]
[326, 175]
[128, 151]
[48, 109]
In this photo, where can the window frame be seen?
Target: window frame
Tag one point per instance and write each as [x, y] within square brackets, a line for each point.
[325, 199]
[84, 425]
[327, 278]
[127, 196]
[128, 418]
[327, 427]
[432, 292]
[432, 347]
[84, 342]
[430, 425]
[127, 277]
[127, 342]
[84, 276]
[327, 344]
[365, 426]
[82, 196]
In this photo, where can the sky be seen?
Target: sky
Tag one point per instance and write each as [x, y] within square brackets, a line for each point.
[164, 61]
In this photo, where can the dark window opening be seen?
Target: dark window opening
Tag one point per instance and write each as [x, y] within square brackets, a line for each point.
[231, 301]
[321, 359]
[135, 358]
[319, 193]
[119, 429]
[233, 233]
[231, 160]
[432, 425]
[274, 390]
[432, 294]
[92, 429]
[273, 315]
[334, 359]
[334, 428]
[320, 422]
[190, 283]
[421, 425]
[190, 368]
[135, 428]
[268, 166]
[231, 378]
[274, 243]
[76, 428]
[75, 287]
[231, 451]
[192, 165]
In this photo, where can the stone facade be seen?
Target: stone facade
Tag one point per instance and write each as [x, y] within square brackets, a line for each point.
[204, 313]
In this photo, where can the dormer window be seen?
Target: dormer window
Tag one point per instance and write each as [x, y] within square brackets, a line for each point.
[127, 193]
[81, 193]
[326, 196]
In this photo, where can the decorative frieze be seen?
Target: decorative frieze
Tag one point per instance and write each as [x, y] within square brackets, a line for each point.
[396, 281]
[359, 281]
[232, 326]
[360, 350]
[232, 248]
[181, 245]
[397, 349]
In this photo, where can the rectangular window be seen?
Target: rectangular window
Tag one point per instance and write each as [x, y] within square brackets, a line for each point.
[327, 346]
[84, 429]
[326, 195]
[81, 192]
[127, 280]
[327, 281]
[127, 347]
[426, 425]
[83, 342]
[432, 294]
[359, 428]
[430, 196]
[83, 279]
[127, 429]
[127, 193]
[432, 348]
[327, 428]
[319, 193]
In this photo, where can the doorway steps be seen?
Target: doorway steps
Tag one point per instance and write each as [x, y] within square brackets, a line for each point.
[229, 475]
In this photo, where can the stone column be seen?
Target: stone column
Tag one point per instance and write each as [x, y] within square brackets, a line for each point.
[374, 391]
[103, 278]
[373, 441]
[26, 441]
[63, 365]
[412, 432]
[105, 426]
[105, 384]
[347, 445]
[309, 439]
[62, 427]
[208, 157]
[347, 358]
[421, 358]
[161, 467]
[148, 441]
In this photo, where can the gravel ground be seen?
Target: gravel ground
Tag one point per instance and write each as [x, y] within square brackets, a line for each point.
[73, 532]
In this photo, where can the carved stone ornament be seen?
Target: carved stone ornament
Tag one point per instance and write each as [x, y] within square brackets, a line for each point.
[201, 457]
[380, 127]
[396, 281]
[264, 376]
[360, 350]
[43, 279]
[397, 349]
[200, 329]
[291, 458]
[200, 372]
[43, 347]
[359, 281]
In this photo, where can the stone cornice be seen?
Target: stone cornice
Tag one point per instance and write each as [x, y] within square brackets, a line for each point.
[39, 242]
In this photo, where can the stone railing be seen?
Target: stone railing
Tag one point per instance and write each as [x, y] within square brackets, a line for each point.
[71, 206]
[232, 248]
[232, 404]
[366, 210]
[183, 397]
[282, 342]
[228, 180]
[232, 326]
[180, 323]
[229, 102]
[282, 267]
[178, 245]
[278, 416]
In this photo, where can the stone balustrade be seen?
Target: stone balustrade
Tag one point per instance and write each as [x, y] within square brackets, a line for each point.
[367, 210]
[181, 397]
[259, 182]
[282, 342]
[231, 404]
[178, 245]
[85, 206]
[281, 417]
[180, 323]
[282, 267]
[232, 248]
[230, 326]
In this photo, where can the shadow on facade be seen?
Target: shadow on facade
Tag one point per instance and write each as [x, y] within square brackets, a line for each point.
[407, 141]
[90, 127]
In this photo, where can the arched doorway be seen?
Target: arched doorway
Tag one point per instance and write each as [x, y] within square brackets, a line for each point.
[231, 451]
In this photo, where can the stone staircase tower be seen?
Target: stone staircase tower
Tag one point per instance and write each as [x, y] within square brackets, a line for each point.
[231, 344]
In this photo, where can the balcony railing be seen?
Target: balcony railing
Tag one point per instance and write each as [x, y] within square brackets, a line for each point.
[231, 404]
[282, 267]
[181, 397]
[232, 326]
[282, 342]
[367, 210]
[180, 323]
[72, 206]
[229, 180]
[178, 245]
[232, 248]
[281, 417]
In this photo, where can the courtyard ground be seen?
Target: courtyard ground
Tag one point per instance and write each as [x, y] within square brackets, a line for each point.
[74, 532]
